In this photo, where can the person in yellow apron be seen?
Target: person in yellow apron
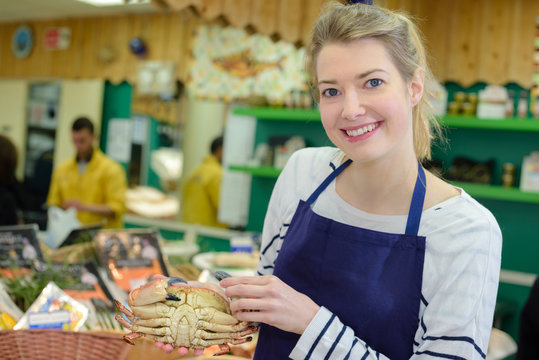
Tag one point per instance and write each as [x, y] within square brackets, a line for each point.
[90, 182]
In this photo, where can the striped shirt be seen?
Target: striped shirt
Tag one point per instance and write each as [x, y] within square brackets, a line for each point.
[460, 273]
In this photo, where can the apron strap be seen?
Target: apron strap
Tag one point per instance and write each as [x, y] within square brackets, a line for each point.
[416, 206]
[327, 181]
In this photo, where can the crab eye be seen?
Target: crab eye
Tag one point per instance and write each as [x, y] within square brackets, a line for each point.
[172, 297]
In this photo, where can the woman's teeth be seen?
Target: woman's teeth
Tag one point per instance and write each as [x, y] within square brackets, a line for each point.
[362, 130]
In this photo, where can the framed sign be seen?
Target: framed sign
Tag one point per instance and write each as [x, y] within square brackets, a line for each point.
[22, 42]
[130, 256]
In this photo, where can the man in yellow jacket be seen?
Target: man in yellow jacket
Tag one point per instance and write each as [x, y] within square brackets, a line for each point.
[90, 182]
[200, 192]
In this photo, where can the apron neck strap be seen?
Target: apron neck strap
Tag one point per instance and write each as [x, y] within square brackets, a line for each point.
[327, 181]
[416, 206]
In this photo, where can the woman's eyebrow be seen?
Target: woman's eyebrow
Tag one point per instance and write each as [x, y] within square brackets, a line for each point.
[358, 76]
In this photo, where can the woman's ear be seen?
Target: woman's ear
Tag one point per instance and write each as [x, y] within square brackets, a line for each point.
[416, 86]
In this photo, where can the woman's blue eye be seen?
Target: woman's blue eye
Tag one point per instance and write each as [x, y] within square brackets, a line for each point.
[374, 82]
[331, 92]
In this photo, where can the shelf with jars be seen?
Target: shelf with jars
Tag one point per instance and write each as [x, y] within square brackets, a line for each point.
[495, 192]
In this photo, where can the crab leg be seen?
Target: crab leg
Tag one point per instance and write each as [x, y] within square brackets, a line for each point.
[205, 343]
[145, 329]
[205, 335]
[223, 349]
[222, 328]
[164, 339]
[144, 322]
[128, 338]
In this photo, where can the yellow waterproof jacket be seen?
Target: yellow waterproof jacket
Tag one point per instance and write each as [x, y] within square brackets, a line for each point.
[103, 182]
[201, 194]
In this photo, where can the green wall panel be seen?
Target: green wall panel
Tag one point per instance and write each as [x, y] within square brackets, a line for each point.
[261, 188]
[116, 104]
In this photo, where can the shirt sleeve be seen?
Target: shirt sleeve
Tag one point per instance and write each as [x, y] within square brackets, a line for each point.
[115, 188]
[455, 321]
[214, 188]
[281, 208]
[53, 198]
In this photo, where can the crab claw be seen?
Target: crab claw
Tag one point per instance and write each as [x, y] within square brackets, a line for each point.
[128, 338]
[152, 292]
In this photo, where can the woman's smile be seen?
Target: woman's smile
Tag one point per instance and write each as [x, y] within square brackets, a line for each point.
[361, 132]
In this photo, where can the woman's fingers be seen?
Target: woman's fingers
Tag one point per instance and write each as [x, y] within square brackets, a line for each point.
[182, 350]
[251, 280]
[254, 286]
[167, 348]
[269, 300]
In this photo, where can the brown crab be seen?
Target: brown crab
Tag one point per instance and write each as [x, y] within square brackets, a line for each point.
[184, 314]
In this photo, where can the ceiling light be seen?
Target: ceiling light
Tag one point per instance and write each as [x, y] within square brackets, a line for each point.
[114, 2]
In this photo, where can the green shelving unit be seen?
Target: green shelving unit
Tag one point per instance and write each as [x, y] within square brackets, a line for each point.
[451, 121]
[492, 192]
[508, 124]
[284, 114]
[466, 122]
[260, 171]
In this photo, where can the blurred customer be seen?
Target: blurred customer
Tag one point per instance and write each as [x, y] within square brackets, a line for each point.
[528, 333]
[201, 189]
[12, 198]
[90, 182]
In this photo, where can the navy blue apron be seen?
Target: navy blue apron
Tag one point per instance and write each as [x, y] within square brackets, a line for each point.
[370, 279]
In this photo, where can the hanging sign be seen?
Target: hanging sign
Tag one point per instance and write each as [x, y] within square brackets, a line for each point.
[57, 38]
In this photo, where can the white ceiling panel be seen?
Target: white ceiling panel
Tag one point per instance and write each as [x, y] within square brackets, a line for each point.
[26, 10]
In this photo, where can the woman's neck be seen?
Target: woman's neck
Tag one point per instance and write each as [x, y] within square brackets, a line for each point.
[384, 186]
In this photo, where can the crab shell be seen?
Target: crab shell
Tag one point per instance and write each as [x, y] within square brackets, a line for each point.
[183, 314]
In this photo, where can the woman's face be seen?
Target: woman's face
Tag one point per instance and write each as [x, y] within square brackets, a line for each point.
[365, 105]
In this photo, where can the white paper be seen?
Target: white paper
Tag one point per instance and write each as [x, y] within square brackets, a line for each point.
[119, 137]
[235, 190]
[140, 126]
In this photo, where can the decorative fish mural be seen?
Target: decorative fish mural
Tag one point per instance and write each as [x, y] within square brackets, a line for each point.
[243, 65]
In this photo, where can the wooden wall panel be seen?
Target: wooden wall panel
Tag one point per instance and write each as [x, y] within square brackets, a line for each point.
[237, 12]
[522, 40]
[210, 9]
[311, 10]
[468, 40]
[288, 21]
[463, 55]
[493, 42]
[264, 16]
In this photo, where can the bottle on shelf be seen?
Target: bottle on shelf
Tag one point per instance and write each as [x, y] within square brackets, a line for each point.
[522, 109]
[508, 175]
[510, 104]
[534, 101]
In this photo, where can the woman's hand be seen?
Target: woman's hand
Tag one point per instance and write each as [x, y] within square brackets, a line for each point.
[268, 300]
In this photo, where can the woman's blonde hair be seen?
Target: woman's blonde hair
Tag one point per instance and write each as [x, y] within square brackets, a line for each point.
[344, 23]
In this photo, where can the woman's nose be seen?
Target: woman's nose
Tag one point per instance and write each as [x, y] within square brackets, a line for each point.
[352, 107]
